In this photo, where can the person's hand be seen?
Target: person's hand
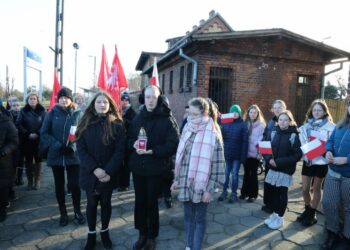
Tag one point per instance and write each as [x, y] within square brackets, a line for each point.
[99, 173]
[106, 178]
[33, 136]
[173, 187]
[136, 144]
[329, 157]
[272, 163]
[259, 157]
[340, 160]
[206, 197]
[144, 152]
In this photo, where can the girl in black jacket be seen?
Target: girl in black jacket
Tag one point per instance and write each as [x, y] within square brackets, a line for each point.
[286, 153]
[29, 123]
[100, 144]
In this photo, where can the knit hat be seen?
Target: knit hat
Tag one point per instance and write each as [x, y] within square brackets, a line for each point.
[65, 92]
[125, 96]
[236, 108]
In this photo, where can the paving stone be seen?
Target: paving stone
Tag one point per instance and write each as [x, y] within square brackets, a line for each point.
[239, 211]
[39, 223]
[5, 244]
[263, 232]
[10, 232]
[214, 227]
[235, 229]
[278, 245]
[54, 242]
[226, 219]
[167, 233]
[300, 237]
[17, 218]
[29, 238]
[22, 248]
[75, 245]
[250, 221]
[170, 245]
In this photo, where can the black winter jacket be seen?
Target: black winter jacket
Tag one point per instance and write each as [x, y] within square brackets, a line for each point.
[8, 144]
[128, 117]
[94, 154]
[162, 137]
[30, 121]
[285, 154]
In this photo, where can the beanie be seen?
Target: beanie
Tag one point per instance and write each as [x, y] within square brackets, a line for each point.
[236, 108]
[65, 92]
[125, 96]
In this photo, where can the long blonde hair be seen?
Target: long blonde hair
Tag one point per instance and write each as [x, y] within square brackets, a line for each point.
[259, 118]
[90, 117]
[323, 105]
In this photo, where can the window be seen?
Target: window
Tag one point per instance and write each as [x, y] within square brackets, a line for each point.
[303, 79]
[182, 78]
[163, 82]
[171, 82]
[189, 77]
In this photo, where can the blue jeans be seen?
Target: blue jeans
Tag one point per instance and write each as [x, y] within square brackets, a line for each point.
[195, 224]
[233, 168]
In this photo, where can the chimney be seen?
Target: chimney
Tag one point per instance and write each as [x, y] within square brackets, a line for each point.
[201, 22]
[211, 13]
[194, 27]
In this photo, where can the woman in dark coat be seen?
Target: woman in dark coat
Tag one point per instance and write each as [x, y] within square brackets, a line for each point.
[100, 144]
[61, 152]
[8, 144]
[29, 123]
[147, 165]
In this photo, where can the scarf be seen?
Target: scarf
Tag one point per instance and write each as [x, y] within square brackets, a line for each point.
[313, 124]
[201, 153]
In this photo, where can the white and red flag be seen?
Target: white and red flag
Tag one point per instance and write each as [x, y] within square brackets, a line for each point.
[71, 135]
[265, 147]
[318, 135]
[155, 79]
[227, 118]
[56, 88]
[313, 149]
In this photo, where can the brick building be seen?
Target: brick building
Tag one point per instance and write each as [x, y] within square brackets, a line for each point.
[243, 67]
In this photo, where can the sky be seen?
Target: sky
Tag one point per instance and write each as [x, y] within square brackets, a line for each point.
[138, 25]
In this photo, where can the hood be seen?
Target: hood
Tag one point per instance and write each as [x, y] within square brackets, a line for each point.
[38, 108]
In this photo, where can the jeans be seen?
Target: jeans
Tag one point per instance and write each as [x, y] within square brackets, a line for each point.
[195, 224]
[233, 168]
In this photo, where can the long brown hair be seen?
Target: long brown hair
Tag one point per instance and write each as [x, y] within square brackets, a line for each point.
[346, 119]
[90, 117]
[259, 118]
[323, 105]
[290, 116]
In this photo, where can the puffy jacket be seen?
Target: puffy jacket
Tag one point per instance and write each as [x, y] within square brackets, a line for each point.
[94, 154]
[304, 137]
[271, 126]
[339, 145]
[8, 144]
[285, 154]
[235, 136]
[30, 121]
[254, 138]
[162, 137]
[54, 134]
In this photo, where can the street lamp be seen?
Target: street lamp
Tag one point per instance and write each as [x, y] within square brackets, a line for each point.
[76, 47]
[94, 72]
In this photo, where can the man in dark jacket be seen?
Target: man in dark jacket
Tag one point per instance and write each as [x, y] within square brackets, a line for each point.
[8, 144]
[128, 113]
[147, 164]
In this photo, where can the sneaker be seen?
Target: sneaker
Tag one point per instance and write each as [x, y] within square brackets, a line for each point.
[63, 220]
[232, 199]
[222, 197]
[270, 219]
[79, 218]
[242, 197]
[277, 223]
[251, 199]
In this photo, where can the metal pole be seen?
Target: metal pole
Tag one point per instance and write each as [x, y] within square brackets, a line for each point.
[61, 49]
[95, 72]
[75, 72]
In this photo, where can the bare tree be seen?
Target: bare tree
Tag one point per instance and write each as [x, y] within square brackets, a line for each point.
[341, 85]
[134, 81]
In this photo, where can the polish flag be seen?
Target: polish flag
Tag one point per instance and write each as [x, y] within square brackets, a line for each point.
[227, 118]
[56, 88]
[104, 71]
[313, 149]
[71, 135]
[155, 79]
[265, 147]
[318, 135]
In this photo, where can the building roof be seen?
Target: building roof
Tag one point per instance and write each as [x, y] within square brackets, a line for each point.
[144, 57]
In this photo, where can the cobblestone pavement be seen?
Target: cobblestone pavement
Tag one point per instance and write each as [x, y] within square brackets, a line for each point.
[32, 223]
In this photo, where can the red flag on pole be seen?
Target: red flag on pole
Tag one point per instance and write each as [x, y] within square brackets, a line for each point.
[104, 71]
[265, 147]
[155, 79]
[55, 89]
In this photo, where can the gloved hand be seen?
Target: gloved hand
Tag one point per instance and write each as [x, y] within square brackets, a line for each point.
[66, 150]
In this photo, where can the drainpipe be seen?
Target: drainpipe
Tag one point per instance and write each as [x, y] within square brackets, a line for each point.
[194, 70]
[331, 72]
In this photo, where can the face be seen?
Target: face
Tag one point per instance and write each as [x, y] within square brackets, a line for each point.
[16, 106]
[64, 101]
[283, 122]
[101, 104]
[12, 100]
[253, 114]
[277, 108]
[151, 98]
[124, 102]
[235, 115]
[32, 101]
[318, 112]
[79, 100]
[194, 113]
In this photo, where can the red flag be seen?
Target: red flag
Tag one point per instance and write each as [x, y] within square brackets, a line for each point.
[55, 89]
[104, 71]
[265, 147]
[155, 79]
[227, 118]
[71, 135]
[318, 135]
[313, 149]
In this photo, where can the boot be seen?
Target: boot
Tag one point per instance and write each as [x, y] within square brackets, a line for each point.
[37, 172]
[19, 179]
[29, 172]
[330, 241]
[79, 218]
[91, 241]
[150, 244]
[106, 241]
[301, 217]
[140, 243]
[64, 217]
[310, 218]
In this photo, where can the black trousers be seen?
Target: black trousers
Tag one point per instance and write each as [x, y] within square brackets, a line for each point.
[4, 192]
[268, 199]
[123, 178]
[73, 184]
[167, 181]
[280, 199]
[146, 211]
[104, 198]
[250, 180]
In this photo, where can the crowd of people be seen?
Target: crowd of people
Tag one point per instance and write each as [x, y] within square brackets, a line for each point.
[95, 147]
